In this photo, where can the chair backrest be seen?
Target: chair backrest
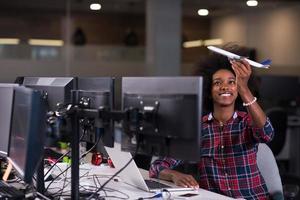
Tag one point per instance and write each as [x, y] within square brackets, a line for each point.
[268, 168]
[278, 118]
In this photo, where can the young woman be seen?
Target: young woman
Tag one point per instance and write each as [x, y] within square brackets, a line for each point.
[229, 139]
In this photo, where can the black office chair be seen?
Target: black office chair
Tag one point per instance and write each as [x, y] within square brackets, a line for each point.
[278, 117]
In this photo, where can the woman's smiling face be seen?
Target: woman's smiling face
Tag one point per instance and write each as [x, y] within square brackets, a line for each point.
[224, 88]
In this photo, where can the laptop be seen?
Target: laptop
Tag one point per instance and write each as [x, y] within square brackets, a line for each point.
[132, 174]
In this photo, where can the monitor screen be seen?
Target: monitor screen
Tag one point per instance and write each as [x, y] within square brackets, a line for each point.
[54, 89]
[168, 121]
[27, 132]
[6, 100]
[100, 93]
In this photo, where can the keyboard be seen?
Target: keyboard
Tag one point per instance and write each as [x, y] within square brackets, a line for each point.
[9, 192]
[155, 185]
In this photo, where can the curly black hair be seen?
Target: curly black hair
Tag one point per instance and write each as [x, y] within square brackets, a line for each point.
[214, 62]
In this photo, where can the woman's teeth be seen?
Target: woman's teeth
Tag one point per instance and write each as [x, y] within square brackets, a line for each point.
[226, 95]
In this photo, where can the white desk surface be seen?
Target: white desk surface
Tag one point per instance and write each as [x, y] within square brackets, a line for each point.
[119, 188]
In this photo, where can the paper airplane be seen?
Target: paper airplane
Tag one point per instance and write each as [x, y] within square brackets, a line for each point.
[264, 64]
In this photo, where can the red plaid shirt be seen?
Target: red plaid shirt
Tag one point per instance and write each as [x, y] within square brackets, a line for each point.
[228, 162]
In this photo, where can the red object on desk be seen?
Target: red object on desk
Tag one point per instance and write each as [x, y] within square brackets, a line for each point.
[110, 163]
[97, 158]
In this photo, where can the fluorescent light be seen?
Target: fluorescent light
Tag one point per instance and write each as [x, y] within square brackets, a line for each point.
[213, 42]
[199, 43]
[252, 3]
[194, 43]
[95, 6]
[9, 41]
[42, 42]
[203, 12]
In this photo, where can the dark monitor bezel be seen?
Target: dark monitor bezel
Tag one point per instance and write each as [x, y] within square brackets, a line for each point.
[8, 104]
[187, 149]
[35, 134]
[52, 85]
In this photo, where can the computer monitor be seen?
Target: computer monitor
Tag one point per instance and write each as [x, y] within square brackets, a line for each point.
[6, 100]
[168, 121]
[55, 89]
[98, 92]
[27, 132]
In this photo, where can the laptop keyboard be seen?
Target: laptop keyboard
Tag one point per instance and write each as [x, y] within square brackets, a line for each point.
[156, 185]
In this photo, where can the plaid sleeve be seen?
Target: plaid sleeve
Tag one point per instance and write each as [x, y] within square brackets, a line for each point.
[162, 163]
[264, 134]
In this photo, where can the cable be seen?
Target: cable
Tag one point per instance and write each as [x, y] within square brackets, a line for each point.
[55, 163]
[64, 183]
[159, 195]
[42, 196]
[118, 172]
[108, 189]
[60, 189]
[95, 177]
[164, 194]
[114, 190]
[83, 155]
[61, 157]
[90, 189]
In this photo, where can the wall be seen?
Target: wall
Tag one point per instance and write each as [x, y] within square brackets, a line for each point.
[110, 28]
[194, 28]
[103, 31]
[90, 60]
[274, 33]
[36, 25]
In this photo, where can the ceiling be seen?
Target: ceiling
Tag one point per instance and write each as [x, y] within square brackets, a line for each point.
[190, 7]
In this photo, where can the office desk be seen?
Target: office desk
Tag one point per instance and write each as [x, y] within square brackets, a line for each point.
[95, 175]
